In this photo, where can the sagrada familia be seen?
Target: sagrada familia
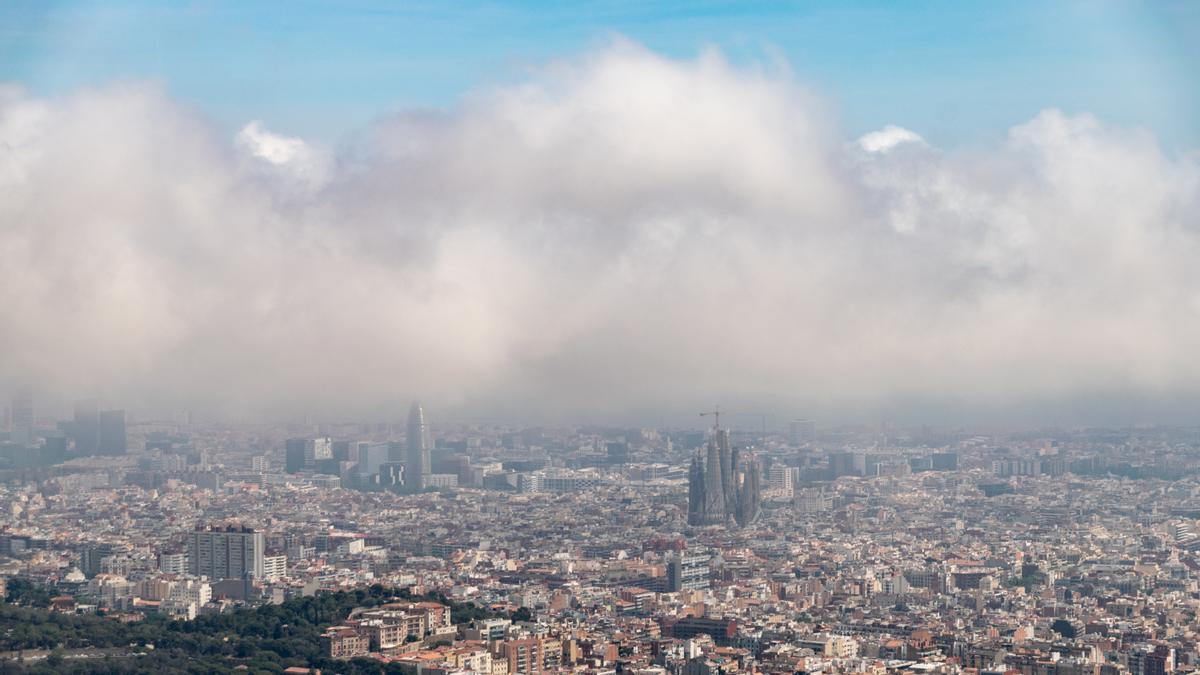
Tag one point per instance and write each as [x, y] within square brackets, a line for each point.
[722, 487]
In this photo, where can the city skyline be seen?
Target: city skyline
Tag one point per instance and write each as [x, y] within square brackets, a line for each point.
[504, 337]
[529, 550]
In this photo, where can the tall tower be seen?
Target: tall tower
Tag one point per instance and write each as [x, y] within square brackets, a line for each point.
[696, 491]
[729, 470]
[233, 552]
[418, 465]
[749, 494]
[294, 455]
[22, 417]
[87, 428]
[714, 488]
[112, 440]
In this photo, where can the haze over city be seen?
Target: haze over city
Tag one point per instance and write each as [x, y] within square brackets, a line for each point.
[619, 228]
[599, 338]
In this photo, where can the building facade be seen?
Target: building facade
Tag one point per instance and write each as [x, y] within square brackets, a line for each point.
[226, 553]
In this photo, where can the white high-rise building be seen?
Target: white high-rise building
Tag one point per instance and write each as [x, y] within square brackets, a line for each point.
[226, 553]
[780, 480]
[318, 449]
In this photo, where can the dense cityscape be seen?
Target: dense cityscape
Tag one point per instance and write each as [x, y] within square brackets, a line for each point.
[598, 550]
[598, 337]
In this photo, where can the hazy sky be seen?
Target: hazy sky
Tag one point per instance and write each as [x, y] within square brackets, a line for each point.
[623, 212]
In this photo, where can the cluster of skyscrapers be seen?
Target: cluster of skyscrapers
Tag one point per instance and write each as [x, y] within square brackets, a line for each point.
[723, 486]
[91, 431]
[407, 464]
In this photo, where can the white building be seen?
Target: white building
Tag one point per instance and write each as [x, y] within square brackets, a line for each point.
[274, 566]
[780, 480]
[173, 563]
[226, 553]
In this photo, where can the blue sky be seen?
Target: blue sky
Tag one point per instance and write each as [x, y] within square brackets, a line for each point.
[955, 71]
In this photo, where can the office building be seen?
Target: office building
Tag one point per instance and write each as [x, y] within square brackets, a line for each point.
[847, 464]
[91, 557]
[781, 480]
[226, 552]
[112, 433]
[342, 451]
[54, 448]
[687, 571]
[618, 453]
[317, 450]
[370, 456]
[944, 461]
[293, 459]
[529, 483]
[86, 428]
[391, 475]
[441, 480]
[303, 454]
[22, 417]
[418, 462]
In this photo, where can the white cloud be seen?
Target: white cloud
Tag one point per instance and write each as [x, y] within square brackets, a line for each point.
[273, 148]
[887, 138]
[622, 234]
[290, 155]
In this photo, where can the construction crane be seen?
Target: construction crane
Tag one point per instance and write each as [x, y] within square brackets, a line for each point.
[716, 415]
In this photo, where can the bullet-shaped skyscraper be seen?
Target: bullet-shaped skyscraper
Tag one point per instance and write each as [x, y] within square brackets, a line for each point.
[417, 467]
